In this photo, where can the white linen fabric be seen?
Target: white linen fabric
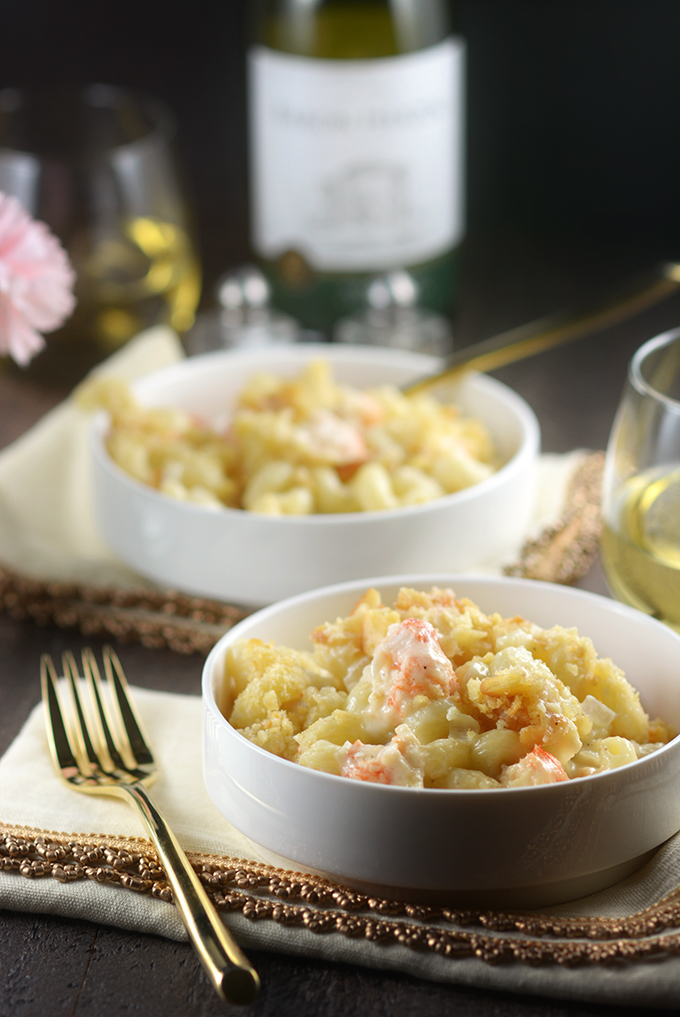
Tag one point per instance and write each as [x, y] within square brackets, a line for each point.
[32, 795]
[47, 527]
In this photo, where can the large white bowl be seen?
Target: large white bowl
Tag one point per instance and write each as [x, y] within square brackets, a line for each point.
[520, 847]
[254, 559]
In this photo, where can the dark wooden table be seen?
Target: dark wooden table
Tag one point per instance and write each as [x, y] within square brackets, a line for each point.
[58, 967]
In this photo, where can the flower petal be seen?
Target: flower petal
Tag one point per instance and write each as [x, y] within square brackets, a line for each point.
[17, 338]
[36, 281]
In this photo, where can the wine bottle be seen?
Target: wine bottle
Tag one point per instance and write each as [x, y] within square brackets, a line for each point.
[356, 123]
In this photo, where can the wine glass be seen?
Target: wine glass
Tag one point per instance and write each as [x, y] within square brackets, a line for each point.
[641, 484]
[97, 165]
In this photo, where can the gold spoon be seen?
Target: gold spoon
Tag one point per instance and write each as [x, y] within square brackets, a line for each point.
[545, 333]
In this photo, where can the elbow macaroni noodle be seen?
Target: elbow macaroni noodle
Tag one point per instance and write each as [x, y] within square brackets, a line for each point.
[431, 692]
[300, 446]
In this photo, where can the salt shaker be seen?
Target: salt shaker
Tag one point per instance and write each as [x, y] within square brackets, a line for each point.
[392, 317]
[244, 317]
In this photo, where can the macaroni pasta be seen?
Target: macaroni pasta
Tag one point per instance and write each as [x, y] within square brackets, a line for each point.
[431, 692]
[300, 446]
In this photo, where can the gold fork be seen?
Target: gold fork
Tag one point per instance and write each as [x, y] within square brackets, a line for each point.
[103, 750]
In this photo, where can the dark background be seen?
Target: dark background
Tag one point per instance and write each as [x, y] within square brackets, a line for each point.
[574, 109]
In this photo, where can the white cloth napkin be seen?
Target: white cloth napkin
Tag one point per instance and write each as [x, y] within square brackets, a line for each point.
[32, 795]
[47, 527]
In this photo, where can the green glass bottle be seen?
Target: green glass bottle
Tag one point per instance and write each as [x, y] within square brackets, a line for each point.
[357, 112]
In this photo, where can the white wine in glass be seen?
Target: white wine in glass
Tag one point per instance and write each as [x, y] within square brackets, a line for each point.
[146, 274]
[97, 165]
[641, 491]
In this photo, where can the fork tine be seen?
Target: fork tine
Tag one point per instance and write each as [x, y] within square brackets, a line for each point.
[111, 751]
[80, 729]
[64, 755]
[129, 718]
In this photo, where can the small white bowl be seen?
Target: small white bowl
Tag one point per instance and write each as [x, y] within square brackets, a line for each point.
[253, 559]
[508, 847]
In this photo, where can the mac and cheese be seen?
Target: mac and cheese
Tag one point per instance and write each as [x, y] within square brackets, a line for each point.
[300, 446]
[431, 692]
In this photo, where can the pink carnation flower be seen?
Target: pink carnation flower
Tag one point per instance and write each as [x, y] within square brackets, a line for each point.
[36, 282]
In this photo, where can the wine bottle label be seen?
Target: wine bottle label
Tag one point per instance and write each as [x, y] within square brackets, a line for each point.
[357, 165]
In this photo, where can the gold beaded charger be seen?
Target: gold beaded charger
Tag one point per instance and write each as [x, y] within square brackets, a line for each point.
[86, 857]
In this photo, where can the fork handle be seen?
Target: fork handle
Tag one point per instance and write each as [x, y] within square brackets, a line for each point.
[227, 967]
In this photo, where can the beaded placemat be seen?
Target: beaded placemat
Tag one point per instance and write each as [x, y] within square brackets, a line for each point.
[263, 893]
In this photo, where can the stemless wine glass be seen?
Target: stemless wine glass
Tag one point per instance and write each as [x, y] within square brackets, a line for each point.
[97, 166]
[641, 485]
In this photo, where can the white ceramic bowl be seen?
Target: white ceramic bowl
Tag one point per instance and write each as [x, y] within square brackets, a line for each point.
[254, 559]
[519, 847]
